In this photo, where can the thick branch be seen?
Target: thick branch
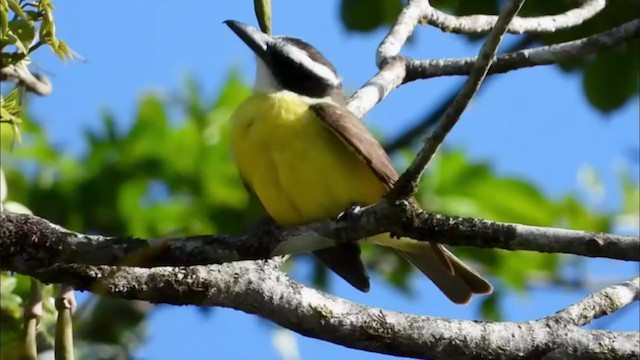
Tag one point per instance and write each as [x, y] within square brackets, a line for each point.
[408, 182]
[476, 24]
[28, 242]
[260, 288]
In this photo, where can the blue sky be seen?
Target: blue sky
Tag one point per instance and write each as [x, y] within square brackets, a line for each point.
[534, 124]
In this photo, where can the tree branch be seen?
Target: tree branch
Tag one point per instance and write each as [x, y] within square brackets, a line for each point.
[545, 55]
[396, 70]
[20, 74]
[35, 247]
[477, 24]
[260, 288]
[390, 76]
[408, 181]
[599, 304]
[28, 242]
[401, 30]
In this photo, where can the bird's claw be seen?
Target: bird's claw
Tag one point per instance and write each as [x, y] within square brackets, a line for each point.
[350, 214]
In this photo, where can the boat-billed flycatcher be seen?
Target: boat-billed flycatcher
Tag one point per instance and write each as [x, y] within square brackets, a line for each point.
[308, 158]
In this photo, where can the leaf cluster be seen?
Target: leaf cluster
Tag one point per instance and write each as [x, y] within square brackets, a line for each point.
[25, 27]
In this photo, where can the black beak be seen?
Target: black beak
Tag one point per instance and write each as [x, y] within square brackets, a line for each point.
[254, 38]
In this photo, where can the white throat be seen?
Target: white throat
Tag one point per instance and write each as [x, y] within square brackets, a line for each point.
[265, 82]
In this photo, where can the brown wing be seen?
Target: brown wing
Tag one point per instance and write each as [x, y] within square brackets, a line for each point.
[355, 134]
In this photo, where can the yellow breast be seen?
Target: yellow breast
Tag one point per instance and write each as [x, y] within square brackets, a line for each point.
[300, 170]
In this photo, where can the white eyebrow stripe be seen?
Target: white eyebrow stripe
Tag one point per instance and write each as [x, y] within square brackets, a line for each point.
[300, 56]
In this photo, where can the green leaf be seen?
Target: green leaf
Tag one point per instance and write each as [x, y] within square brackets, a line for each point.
[320, 275]
[21, 34]
[591, 182]
[6, 116]
[263, 14]
[13, 4]
[575, 215]
[4, 26]
[612, 79]
[367, 15]
[458, 187]
[233, 93]
[9, 114]
[490, 307]
[47, 31]
[32, 15]
[477, 7]
[63, 51]
[17, 137]
[628, 220]
[8, 284]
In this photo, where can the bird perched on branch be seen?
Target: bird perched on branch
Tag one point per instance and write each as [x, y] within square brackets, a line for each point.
[308, 158]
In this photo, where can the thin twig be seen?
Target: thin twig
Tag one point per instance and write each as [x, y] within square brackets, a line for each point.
[545, 55]
[392, 74]
[32, 314]
[408, 181]
[400, 31]
[66, 306]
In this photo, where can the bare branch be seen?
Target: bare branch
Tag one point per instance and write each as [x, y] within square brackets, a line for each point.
[392, 73]
[386, 80]
[28, 242]
[408, 182]
[545, 55]
[477, 24]
[20, 74]
[260, 288]
[401, 30]
[598, 304]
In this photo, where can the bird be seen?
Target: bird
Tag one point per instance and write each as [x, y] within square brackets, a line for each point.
[308, 158]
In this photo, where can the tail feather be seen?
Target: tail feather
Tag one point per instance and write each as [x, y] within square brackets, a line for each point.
[454, 287]
[444, 256]
[474, 280]
[454, 278]
[344, 260]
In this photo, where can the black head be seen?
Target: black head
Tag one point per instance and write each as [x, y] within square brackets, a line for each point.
[289, 64]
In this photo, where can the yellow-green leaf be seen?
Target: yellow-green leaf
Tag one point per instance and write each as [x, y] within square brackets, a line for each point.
[24, 32]
[4, 23]
[263, 13]
[13, 4]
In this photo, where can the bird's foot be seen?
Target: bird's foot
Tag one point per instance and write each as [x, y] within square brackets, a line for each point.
[350, 214]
